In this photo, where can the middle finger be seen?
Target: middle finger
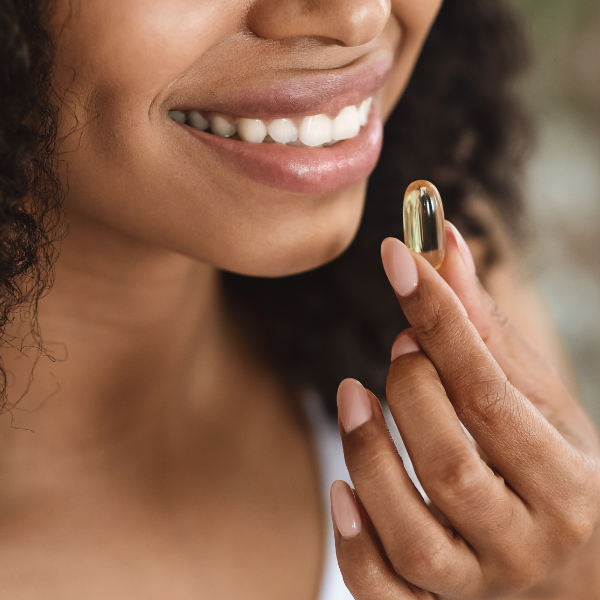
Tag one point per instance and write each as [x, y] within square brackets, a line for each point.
[475, 500]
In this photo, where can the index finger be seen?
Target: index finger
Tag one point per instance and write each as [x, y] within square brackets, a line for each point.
[508, 428]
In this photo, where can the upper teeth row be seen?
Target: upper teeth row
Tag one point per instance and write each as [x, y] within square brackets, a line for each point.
[312, 131]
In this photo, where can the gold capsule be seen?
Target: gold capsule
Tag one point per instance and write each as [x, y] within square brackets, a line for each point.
[424, 230]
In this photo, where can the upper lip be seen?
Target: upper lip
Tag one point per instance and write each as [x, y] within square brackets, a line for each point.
[324, 92]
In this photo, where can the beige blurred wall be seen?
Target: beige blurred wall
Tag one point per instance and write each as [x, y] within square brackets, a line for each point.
[563, 251]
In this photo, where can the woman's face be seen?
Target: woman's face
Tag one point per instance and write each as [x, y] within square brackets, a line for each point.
[268, 208]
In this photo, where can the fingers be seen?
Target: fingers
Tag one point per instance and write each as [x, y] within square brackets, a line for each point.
[525, 368]
[486, 513]
[419, 548]
[367, 573]
[509, 429]
[539, 381]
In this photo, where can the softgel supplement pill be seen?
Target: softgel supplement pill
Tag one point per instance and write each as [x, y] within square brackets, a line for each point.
[424, 230]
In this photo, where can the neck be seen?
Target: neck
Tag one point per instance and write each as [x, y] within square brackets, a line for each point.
[137, 346]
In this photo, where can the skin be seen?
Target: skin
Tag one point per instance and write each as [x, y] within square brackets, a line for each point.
[134, 60]
[506, 513]
[161, 456]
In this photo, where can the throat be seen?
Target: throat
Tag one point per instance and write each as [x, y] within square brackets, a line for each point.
[239, 515]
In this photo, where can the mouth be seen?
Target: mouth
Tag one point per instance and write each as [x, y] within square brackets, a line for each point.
[313, 131]
[312, 134]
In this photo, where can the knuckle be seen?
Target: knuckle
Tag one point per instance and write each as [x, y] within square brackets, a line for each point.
[500, 319]
[434, 319]
[575, 512]
[486, 395]
[425, 561]
[525, 573]
[367, 582]
[368, 465]
[576, 523]
[519, 569]
[493, 399]
[460, 479]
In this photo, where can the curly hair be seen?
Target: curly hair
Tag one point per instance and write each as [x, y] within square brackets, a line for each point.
[30, 194]
[459, 123]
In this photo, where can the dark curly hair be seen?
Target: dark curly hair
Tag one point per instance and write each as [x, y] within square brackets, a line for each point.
[30, 194]
[458, 124]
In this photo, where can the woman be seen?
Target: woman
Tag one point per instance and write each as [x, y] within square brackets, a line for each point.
[160, 448]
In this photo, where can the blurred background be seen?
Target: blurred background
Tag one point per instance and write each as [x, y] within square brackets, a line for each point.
[563, 252]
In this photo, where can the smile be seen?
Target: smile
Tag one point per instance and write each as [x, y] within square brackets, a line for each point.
[312, 131]
[305, 133]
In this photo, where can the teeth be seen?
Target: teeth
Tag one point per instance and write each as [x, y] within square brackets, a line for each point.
[364, 110]
[197, 121]
[347, 124]
[312, 131]
[222, 127]
[252, 130]
[316, 131]
[283, 131]
[177, 115]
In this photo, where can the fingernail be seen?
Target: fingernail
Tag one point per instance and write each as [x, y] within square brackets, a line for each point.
[463, 250]
[344, 510]
[405, 343]
[354, 405]
[399, 266]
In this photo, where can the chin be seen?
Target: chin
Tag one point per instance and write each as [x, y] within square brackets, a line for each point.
[299, 255]
[307, 242]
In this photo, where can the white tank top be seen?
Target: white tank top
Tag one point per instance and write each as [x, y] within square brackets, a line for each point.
[332, 467]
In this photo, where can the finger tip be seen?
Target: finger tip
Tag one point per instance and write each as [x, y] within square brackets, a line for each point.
[455, 242]
[344, 510]
[387, 246]
[405, 343]
[400, 266]
[348, 384]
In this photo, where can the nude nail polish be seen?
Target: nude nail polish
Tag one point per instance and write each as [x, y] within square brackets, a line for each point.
[405, 344]
[399, 266]
[464, 250]
[345, 513]
[354, 405]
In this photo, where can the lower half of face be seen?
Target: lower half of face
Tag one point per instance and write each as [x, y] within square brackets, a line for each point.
[240, 134]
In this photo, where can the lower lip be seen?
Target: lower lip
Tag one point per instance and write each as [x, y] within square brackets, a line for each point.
[302, 170]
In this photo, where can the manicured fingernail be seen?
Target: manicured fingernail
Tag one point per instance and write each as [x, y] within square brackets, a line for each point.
[399, 266]
[405, 343]
[463, 250]
[344, 510]
[354, 405]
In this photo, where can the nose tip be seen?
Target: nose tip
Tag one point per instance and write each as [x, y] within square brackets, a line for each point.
[346, 22]
[363, 21]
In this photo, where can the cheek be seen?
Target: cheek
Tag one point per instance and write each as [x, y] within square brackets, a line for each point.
[414, 19]
[125, 168]
[133, 49]
[116, 60]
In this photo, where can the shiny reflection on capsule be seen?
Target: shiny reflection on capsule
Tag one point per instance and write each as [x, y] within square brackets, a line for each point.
[424, 230]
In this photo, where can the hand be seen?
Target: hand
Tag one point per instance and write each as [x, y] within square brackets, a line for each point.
[506, 511]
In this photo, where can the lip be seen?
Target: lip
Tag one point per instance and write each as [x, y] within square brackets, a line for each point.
[298, 169]
[326, 92]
